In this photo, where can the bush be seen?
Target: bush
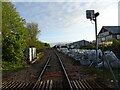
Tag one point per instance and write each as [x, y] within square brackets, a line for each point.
[115, 47]
[88, 47]
[11, 65]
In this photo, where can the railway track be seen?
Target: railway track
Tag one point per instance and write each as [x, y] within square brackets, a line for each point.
[52, 84]
[68, 83]
[65, 72]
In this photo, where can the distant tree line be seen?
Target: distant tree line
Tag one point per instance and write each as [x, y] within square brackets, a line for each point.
[17, 34]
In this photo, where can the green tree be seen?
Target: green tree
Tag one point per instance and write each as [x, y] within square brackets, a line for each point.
[39, 45]
[32, 40]
[14, 33]
[33, 31]
[46, 45]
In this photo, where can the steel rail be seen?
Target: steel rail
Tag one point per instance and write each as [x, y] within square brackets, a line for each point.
[65, 71]
[41, 74]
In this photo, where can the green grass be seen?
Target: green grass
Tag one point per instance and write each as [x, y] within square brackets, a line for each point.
[7, 66]
[12, 66]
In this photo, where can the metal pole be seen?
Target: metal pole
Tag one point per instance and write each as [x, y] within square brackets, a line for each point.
[111, 71]
[96, 40]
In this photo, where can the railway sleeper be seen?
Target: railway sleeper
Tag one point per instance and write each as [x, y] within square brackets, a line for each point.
[53, 85]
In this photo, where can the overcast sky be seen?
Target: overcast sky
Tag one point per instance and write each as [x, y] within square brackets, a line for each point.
[66, 21]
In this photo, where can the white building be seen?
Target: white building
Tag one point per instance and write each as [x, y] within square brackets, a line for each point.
[107, 33]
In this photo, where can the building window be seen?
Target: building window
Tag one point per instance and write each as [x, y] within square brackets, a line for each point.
[103, 38]
[118, 36]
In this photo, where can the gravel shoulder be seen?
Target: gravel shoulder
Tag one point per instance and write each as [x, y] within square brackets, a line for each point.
[75, 69]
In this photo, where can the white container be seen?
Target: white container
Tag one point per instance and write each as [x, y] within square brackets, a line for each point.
[30, 54]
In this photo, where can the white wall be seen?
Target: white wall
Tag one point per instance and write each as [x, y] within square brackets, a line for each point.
[30, 54]
[34, 53]
[108, 37]
[104, 34]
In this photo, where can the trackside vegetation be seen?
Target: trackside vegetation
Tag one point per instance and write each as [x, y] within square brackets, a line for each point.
[115, 47]
[17, 36]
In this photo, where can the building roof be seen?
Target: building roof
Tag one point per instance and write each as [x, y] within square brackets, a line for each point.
[81, 41]
[77, 42]
[112, 29]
